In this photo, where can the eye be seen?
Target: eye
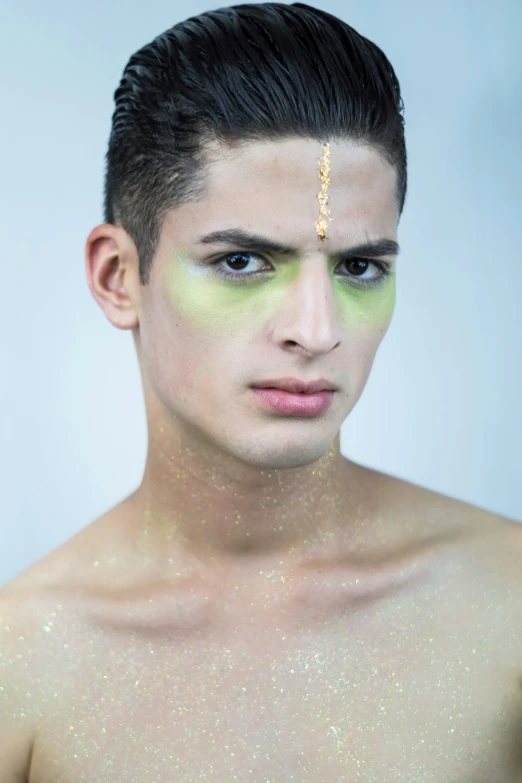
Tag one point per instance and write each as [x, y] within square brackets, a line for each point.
[241, 258]
[360, 265]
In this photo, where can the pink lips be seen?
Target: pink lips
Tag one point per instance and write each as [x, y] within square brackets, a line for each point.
[295, 404]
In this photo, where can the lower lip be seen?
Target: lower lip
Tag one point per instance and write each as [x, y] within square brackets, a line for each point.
[295, 404]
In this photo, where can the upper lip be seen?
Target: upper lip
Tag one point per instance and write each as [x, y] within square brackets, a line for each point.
[296, 386]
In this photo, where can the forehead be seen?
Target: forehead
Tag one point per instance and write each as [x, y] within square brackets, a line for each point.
[273, 186]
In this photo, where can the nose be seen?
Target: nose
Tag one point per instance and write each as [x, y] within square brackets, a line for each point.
[309, 315]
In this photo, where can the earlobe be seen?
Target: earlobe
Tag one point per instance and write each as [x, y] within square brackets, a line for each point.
[110, 271]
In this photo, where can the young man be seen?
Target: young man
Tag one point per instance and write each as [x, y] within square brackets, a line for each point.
[261, 608]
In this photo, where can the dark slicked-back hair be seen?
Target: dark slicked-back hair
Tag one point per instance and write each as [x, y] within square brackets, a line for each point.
[257, 72]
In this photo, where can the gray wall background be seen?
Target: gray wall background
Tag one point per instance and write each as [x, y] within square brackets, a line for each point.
[442, 407]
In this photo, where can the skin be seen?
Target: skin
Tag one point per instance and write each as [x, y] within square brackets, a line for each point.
[261, 607]
[223, 476]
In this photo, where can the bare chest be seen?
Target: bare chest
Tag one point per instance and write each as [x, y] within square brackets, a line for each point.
[418, 685]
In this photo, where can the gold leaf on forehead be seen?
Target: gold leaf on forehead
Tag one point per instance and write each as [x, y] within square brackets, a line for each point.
[324, 167]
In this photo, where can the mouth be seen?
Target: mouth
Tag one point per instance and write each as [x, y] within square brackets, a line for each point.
[294, 403]
[296, 386]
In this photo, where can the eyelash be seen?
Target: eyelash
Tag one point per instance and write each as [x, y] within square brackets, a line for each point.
[385, 271]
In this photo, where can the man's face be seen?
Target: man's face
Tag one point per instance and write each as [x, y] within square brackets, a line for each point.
[204, 339]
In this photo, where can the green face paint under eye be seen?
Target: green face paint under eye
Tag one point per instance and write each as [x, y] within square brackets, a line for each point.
[215, 303]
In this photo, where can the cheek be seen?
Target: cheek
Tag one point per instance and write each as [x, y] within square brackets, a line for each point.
[365, 317]
[217, 308]
[367, 311]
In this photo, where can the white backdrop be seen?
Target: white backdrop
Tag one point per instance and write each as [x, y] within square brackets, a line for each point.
[442, 407]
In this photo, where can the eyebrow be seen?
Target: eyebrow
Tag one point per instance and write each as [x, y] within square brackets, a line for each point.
[247, 241]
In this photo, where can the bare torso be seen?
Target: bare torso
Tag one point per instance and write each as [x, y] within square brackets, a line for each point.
[406, 668]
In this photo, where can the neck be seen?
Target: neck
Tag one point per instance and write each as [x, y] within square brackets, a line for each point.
[199, 501]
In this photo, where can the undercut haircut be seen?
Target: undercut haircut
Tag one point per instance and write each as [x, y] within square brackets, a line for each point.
[256, 72]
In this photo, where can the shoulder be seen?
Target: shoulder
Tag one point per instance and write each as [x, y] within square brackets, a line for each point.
[481, 560]
[404, 498]
[73, 566]
[478, 566]
[470, 536]
[20, 675]
[496, 548]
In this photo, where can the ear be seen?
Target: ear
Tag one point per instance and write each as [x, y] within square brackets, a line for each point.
[111, 261]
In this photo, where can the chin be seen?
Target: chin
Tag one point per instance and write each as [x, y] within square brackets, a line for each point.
[284, 453]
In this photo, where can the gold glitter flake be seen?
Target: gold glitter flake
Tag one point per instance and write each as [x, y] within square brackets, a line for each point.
[324, 166]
